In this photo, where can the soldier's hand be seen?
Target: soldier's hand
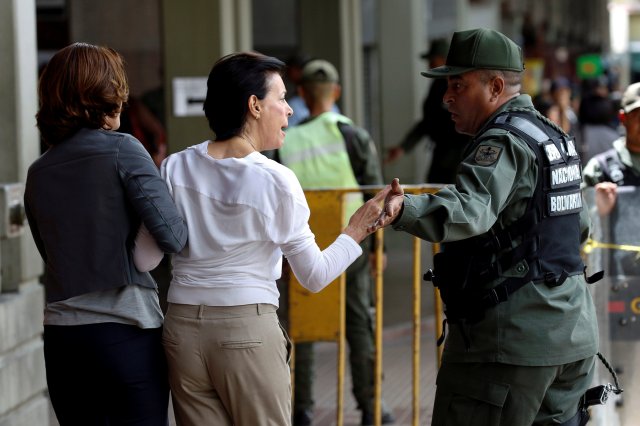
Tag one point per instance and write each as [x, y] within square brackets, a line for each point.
[364, 220]
[606, 195]
[393, 204]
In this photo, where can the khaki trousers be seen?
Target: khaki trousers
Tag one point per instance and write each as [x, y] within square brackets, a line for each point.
[228, 365]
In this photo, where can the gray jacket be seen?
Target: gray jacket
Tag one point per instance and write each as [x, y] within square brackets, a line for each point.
[85, 200]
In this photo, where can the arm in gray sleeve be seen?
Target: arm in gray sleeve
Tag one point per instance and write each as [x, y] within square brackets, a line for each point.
[150, 196]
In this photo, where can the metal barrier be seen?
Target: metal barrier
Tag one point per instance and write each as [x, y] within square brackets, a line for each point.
[321, 316]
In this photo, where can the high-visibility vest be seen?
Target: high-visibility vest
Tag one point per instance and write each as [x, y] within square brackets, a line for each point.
[317, 154]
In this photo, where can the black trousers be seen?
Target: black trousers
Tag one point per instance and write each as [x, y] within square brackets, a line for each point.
[106, 375]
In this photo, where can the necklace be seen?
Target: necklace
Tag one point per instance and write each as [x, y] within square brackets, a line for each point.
[248, 139]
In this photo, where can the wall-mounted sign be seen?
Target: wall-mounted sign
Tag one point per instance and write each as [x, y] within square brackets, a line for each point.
[188, 96]
[589, 66]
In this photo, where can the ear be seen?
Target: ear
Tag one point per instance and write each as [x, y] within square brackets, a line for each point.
[254, 105]
[622, 116]
[497, 87]
[337, 92]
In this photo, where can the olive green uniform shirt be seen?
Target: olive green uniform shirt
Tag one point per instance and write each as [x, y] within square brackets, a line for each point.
[539, 325]
[592, 173]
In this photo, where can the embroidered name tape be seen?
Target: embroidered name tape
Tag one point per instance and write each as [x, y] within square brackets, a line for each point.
[553, 153]
[562, 175]
[561, 203]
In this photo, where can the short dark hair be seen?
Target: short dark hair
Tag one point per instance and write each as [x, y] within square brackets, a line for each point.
[511, 78]
[232, 81]
[78, 88]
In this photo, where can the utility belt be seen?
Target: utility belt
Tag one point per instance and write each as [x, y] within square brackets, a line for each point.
[462, 287]
[462, 277]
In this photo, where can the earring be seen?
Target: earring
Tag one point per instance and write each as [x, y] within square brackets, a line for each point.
[257, 116]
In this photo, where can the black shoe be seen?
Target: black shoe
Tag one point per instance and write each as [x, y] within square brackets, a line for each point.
[302, 418]
[387, 418]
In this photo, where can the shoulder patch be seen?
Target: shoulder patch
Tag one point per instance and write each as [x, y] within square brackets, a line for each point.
[486, 155]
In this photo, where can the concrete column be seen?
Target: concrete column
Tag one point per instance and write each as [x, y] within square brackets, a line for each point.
[196, 33]
[19, 139]
[351, 59]
[131, 28]
[402, 37]
[332, 30]
[17, 88]
[473, 15]
[22, 377]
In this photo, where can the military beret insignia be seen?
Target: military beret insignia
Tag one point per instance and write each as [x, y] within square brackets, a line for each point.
[486, 155]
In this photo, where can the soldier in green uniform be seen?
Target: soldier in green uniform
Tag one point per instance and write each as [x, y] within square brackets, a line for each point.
[522, 329]
[619, 165]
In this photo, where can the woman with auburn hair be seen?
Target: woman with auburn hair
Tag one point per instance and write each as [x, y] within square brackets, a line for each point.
[85, 199]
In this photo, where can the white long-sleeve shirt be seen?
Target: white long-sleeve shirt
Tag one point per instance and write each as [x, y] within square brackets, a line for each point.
[243, 214]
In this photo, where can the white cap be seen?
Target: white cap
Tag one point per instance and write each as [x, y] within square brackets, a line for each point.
[631, 98]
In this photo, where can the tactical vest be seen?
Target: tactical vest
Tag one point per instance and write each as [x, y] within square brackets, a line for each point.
[546, 239]
[614, 170]
[317, 154]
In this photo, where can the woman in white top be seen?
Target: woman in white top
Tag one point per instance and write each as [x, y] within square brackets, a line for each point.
[228, 356]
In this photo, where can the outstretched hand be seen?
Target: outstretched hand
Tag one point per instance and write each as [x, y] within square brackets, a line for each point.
[393, 203]
[361, 222]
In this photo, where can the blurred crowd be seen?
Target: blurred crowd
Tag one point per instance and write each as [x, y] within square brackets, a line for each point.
[587, 109]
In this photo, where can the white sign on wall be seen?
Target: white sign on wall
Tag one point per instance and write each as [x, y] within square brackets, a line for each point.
[189, 94]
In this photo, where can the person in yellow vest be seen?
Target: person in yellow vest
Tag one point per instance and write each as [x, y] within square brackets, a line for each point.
[327, 150]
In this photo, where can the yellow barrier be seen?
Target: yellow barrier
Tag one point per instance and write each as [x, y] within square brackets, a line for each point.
[321, 316]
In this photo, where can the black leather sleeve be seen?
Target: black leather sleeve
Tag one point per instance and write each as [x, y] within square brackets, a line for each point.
[150, 197]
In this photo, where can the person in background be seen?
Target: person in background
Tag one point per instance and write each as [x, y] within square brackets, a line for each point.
[293, 75]
[510, 269]
[448, 145]
[619, 165]
[85, 199]
[138, 120]
[228, 355]
[598, 122]
[327, 150]
[295, 64]
[561, 111]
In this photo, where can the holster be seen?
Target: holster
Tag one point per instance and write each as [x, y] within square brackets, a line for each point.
[580, 419]
[451, 274]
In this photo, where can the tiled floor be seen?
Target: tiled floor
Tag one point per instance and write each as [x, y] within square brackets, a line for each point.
[397, 384]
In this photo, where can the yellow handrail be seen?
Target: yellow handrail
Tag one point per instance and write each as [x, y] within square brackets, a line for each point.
[377, 390]
[417, 297]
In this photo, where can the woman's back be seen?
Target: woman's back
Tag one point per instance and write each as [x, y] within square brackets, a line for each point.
[239, 212]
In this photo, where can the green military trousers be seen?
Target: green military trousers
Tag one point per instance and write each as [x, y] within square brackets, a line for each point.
[494, 394]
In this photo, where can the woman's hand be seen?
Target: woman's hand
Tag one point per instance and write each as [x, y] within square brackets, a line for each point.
[363, 221]
[393, 204]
